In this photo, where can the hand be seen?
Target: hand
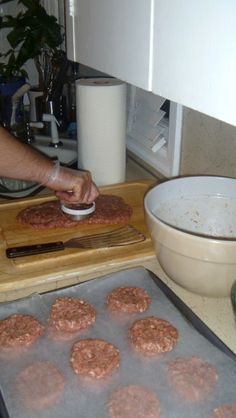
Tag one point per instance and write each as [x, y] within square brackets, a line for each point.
[74, 186]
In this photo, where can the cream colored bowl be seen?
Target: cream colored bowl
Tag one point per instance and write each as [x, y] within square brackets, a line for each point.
[192, 222]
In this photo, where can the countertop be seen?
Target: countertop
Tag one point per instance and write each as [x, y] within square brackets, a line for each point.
[216, 313]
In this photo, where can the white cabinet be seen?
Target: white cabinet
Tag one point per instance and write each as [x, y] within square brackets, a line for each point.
[183, 50]
[112, 36]
[194, 55]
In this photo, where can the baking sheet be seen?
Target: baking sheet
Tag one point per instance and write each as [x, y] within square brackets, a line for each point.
[81, 401]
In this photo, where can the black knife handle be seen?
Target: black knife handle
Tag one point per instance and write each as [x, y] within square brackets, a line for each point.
[24, 250]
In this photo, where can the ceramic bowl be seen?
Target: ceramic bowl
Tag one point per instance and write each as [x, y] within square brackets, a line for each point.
[192, 222]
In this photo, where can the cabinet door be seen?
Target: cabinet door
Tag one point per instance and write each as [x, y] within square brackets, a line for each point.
[194, 60]
[112, 36]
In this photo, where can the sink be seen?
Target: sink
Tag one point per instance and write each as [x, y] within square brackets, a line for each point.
[66, 154]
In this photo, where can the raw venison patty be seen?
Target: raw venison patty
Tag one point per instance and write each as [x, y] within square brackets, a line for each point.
[151, 336]
[128, 299]
[39, 385]
[133, 401]
[71, 314]
[225, 411]
[19, 331]
[109, 210]
[192, 378]
[94, 358]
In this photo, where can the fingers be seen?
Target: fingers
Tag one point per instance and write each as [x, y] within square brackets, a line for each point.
[76, 196]
[75, 186]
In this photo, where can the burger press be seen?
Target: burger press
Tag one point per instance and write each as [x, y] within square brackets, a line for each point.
[79, 211]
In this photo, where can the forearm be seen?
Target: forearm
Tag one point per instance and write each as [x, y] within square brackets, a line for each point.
[27, 164]
[22, 162]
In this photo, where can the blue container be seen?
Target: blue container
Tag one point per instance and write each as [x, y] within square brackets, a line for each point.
[7, 89]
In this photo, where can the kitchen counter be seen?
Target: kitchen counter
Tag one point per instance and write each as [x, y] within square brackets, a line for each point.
[216, 313]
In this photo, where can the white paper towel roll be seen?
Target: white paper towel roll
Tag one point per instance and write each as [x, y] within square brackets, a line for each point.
[101, 118]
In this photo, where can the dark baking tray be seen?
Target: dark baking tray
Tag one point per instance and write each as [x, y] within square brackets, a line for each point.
[198, 324]
[191, 317]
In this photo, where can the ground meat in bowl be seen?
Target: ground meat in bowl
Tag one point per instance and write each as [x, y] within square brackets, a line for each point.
[71, 314]
[39, 386]
[110, 209]
[19, 330]
[133, 401]
[128, 300]
[94, 358]
[152, 336]
[192, 378]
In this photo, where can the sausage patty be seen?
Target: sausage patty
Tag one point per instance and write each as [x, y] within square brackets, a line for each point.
[19, 330]
[39, 385]
[133, 401]
[128, 300]
[151, 336]
[110, 209]
[94, 358]
[71, 314]
[192, 378]
[225, 411]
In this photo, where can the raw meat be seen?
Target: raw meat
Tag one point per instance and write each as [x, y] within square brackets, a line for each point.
[225, 411]
[133, 401]
[94, 358]
[128, 300]
[110, 209]
[39, 385]
[19, 331]
[71, 314]
[151, 336]
[192, 378]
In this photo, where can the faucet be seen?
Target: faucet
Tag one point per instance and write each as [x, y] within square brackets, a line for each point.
[55, 142]
[29, 135]
[25, 132]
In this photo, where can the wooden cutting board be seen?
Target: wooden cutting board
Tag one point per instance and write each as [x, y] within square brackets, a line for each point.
[27, 272]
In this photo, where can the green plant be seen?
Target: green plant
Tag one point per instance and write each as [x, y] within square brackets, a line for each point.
[32, 34]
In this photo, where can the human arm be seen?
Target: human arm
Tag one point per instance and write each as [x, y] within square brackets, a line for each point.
[21, 161]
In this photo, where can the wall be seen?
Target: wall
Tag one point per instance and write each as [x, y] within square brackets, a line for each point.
[208, 146]
[55, 7]
[12, 8]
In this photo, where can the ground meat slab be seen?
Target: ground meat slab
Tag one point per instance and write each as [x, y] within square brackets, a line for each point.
[225, 411]
[152, 336]
[192, 378]
[19, 331]
[128, 300]
[70, 315]
[110, 209]
[39, 386]
[94, 358]
[133, 401]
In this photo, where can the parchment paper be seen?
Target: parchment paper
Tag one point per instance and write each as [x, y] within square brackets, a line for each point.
[82, 401]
